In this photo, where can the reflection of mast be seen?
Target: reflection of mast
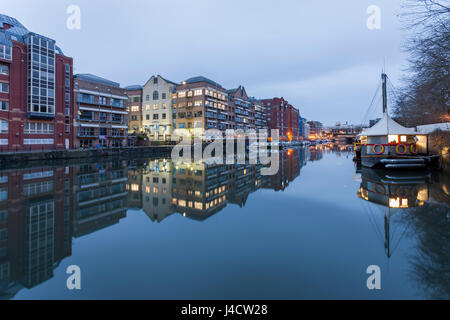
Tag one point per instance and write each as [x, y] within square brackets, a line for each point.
[387, 236]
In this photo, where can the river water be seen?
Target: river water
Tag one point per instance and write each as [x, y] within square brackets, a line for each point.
[153, 229]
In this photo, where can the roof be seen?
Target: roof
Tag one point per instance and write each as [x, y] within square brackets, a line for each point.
[133, 87]
[168, 80]
[97, 79]
[202, 79]
[385, 127]
[429, 128]
[232, 91]
[18, 30]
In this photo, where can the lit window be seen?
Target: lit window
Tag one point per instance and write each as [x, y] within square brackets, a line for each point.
[393, 138]
[403, 139]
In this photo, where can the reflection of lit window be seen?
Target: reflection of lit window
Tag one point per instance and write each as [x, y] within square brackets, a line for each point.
[422, 195]
[155, 190]
[198, 205]
[164, 191]
[182, 203]
[198, 194]
[174, 200]
[398, 203]
[190, 204]
[147, 189]
[134, 187]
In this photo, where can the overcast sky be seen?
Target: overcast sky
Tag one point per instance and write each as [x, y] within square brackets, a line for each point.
[319, 55]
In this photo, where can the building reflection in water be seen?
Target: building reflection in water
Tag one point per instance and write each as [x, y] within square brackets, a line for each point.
[42, 209]
[416, 205]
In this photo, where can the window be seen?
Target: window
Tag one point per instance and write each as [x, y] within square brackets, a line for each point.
[135, 99]
[38, 128]
[4, 69]
[155, 117]
[101, 100]
[147, 117]
[163, 95]
[164, 116]
[155, 80]
[198, 92]
[4, 105]
[3, 126]
[5, 52]
[147, 97]
[4, 87]
[164, 106]
[155, 95]
[181, 94]
[155, 106]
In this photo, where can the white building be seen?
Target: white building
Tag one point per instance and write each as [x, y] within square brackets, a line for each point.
[157, 120]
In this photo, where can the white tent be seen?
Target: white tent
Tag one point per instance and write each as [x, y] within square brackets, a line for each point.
[386, 126]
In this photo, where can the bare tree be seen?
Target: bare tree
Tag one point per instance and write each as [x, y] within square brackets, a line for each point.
[425, 96]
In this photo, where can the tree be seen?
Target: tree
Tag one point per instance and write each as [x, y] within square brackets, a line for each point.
[424, 98]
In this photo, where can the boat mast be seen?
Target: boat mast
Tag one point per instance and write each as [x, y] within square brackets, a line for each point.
[384, 77]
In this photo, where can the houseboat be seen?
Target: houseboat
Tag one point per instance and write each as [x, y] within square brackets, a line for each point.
[390, 145]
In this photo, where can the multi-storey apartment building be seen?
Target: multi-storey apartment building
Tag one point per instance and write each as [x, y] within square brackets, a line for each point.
[242, 108]
[201, 104]
[261, 116]
[101, 117]
[315, 129]
[283, 117]
[157, 120]
[134, 107]
[35, 90]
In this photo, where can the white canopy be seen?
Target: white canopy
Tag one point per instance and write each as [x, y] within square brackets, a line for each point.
[387, 126]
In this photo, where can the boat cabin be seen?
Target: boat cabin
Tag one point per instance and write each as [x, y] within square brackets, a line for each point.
[388, 139]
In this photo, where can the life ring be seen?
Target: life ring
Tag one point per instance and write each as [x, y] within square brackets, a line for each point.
[405, 149]
[413, 149]
[374, 149]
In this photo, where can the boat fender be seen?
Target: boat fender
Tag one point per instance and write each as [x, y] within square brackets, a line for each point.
[374, 149]
[405, 149]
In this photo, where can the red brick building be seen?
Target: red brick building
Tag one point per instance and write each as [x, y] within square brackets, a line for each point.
[36, 91]
[282, 116]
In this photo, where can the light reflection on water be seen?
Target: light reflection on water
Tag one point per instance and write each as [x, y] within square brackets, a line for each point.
[149, 228]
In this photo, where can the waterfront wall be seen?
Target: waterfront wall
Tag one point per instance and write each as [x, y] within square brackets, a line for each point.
[8, 158]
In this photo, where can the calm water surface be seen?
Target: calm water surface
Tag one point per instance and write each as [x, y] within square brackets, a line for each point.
[151, 229]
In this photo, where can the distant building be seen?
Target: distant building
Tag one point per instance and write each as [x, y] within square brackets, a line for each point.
[282, 116]
[315, 129]
[157, 113]
[101, 117]
[134, 108]
[36, 90]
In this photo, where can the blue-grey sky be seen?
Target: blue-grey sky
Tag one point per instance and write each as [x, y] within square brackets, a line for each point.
[319, 55]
